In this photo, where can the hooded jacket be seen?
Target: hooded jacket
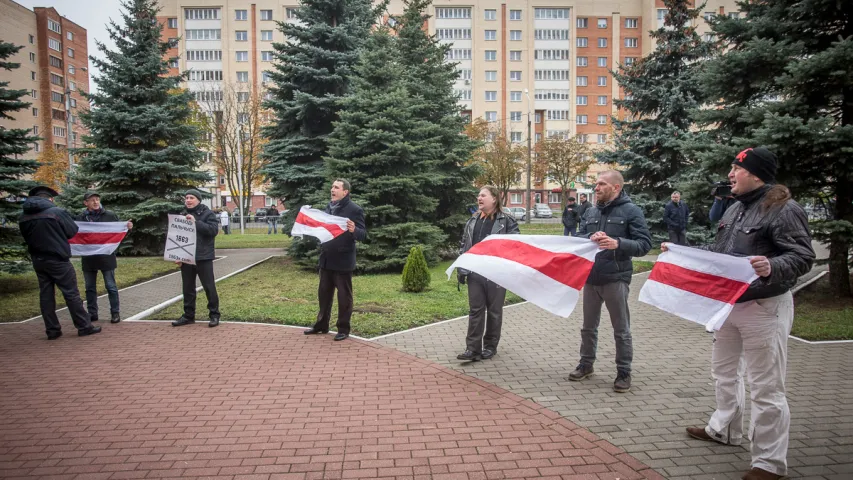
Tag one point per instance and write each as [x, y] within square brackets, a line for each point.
[46, 228]
[98, 262]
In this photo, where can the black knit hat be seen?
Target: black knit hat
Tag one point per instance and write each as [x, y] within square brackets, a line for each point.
[758, 161]
[194, 192]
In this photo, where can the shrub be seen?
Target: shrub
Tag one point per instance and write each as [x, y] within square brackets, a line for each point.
[416, 275]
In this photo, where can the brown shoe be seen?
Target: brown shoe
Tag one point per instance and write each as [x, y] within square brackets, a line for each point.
[699, 433]
[759, 474]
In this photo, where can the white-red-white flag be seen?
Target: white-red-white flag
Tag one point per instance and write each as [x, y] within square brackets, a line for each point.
[317, 223]
[546, 270]
[697, 285]
[97, 238]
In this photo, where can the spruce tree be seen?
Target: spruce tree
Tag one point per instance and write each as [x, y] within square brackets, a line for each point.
[142, 154]
[388, 153]
[785, 80]
[310, 75]
[660, 94]
[13, 170]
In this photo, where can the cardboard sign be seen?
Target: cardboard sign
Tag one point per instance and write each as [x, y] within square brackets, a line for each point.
[180, 240]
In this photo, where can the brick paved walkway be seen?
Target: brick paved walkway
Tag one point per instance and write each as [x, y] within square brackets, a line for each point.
[146, 400]
[672, 388]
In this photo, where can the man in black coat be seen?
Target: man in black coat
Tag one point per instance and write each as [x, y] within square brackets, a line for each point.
[206, 228]
[106, 264]
[583, 206]
[47, 228]
[571, 218]
[676, 214]
[337, 262]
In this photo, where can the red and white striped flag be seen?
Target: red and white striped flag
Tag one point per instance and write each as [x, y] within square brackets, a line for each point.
[697, 285]
[317, 223]
[546, 270]
[97, 238]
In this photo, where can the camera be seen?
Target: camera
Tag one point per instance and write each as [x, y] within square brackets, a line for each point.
[721, 189]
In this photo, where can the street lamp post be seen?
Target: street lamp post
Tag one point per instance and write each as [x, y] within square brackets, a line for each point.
[529, 156]
[69, 134]
[240, 178]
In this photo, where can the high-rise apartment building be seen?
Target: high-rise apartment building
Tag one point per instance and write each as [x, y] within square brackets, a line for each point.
[54, 67]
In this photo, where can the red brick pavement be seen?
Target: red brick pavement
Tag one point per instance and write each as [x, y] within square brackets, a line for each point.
[145, 400]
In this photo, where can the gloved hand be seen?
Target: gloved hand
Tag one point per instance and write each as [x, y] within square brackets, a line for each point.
[462, 278]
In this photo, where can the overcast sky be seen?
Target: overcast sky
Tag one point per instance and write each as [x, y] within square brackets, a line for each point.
[92, 15]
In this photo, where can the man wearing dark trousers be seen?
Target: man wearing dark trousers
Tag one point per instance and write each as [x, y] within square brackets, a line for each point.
[206, 229]
[676, 215]
[106, 264]
[570, 218]
[46, 229]
[337, 262]
[583, 206]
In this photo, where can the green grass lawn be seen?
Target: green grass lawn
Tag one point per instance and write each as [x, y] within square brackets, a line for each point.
[642, 266]
[819, 315]
[540, 228]
[252, 240]
[20, 297]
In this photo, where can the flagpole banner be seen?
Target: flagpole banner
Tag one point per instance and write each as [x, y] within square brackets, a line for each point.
[97, 238]
[546, 270]
[697, 285]
[180, 240]
[317, 223]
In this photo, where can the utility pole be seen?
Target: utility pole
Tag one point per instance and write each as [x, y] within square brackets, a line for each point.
[240, 179]
[529, 157]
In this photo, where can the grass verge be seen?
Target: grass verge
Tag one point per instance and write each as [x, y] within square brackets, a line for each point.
[540, 228]
[820, 315]
[641, 266]
[252, 240]
[20, 297]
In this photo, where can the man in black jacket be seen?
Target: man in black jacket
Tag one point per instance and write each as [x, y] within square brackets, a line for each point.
[618, 226]
[206, 229]
[583, 206]
[46, 229]
[676, 214]
[571, 217]
[337, 262]
[106, 264]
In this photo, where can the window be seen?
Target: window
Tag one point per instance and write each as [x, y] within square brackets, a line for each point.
[242, 36]
[708, 16]
[514, 116]
[491, 55]
[661, 16]
[550, 54]
[172, 22]
[59, 131]
[515, 137]
[72, 86]
[515, 96]
[35, 130]
[266, 77]
[69, 36]
[54, 44]
[491, 14]
[491, 35]
[560, 94]
[631, 23]
[602, 138]
[515, 76]
[36, 147]
[582, 61]
[73, 103]
[602, 42]
[602, 119]
[34, 93]
[515, 14]
[266, 14]
[515, 55]
[582, 42]
[204, 55]
[491, 116]
[581, 119]
[582, 137]
[458, 54]
[266, 35]
[53, 26]
[242, 56]
[205, 75]
[557, 114]
[602, 23]
[734, 14]
[537, 117]
[453, 33]
[515, 198]
[583, 22]
[290, 12]
[631, 43]
[550, 34]
[553, 197]
[71, 69]
[581, 100]
[453, 13]
[551, 74]
[465, 74]
[32, 39]
[551, 13]
[602, 62]
[242, 118]
[173, 64]
[602, 100]
[491, 96]
[57, 97]
[201, 13]
[208, 96]
[203, 34]
[241, 15]
[515, 35]
[491, 75]
[242, 97]
[582, 81]
[32, 57]
[602, 81]
[630, 60]
[463, 95]
[35, 112]
[32, 75]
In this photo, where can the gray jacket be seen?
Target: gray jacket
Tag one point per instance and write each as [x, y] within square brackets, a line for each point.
[503, 224]
[780, 233]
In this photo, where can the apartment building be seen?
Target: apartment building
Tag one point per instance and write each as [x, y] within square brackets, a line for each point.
[54, 66]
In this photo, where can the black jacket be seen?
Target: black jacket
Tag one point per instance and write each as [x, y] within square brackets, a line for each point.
[338, 254]
[46, 228]
[625, 222]
[98, 262]
[571, 216]
[676, 216]
[582, 208]
[780, 234]
[503, 224]
[206, 229]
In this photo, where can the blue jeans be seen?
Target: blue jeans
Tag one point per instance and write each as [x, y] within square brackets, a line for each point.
[272, 227]
[91, 279]
[569, 231]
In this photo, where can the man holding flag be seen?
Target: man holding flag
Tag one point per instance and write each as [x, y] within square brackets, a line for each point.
[337, 261]
[619, 227]
[106, 264]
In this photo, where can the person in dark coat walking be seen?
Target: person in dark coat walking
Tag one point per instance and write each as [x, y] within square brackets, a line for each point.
[337, 262]
[206, 228]
[571, 217]
[272, 220]
[583, 206]
[676, 214]
[106, 264]
[47, 228]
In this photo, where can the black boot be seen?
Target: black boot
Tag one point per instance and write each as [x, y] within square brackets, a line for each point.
[214, 321]
[183, 321]
[116, 317]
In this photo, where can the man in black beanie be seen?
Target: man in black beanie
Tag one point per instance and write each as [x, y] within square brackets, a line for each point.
[770, 228]
[206, 229]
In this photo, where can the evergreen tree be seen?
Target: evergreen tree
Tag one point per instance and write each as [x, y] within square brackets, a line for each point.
[13, 170]
[311, 74]
[785, 81]
[429, 79]
[388, 153]
[143, 154]
[660, 94]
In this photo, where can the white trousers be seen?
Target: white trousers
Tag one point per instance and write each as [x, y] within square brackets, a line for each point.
[754, 338]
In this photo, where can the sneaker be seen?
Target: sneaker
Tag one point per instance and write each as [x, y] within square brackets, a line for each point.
[487, 354]
[214, 321]
[699, 433]
[183, 321]
[583, 371]
[115, 318]
[468, 356]
[622, 383]
[88, 331]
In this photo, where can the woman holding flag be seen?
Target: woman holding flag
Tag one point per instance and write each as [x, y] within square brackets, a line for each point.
[485, 298]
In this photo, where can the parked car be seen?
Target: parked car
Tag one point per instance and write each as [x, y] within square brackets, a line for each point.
[542, 210]
[518, 213]
[261, 215]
